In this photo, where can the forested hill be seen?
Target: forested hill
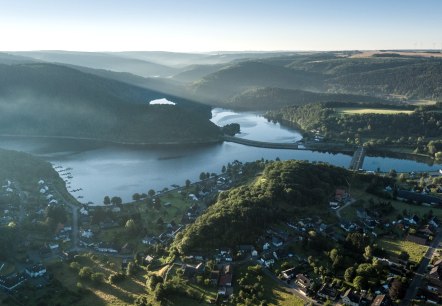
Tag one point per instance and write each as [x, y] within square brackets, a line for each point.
[269, 98]
[241, 215]
[262, 84]
[52, 100]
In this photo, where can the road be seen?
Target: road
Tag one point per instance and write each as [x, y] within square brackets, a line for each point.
[74, 209]
[420, 273]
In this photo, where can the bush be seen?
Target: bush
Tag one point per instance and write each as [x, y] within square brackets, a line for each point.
[85, 273]
[97, 277]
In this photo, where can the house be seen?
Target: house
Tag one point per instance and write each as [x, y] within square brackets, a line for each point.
[36, 270]
[416, 239]
[276, 241]
[10, 283]
[341, 195]
[289, 273]
[361, 213]
[418, 198]
[189, 271]
[348, 226]
[148, 259]
[106, 248]
[303, 282]
[225, 280]
[381, 300]
[149, 240]
[53, 246]
[435, 276]
[426, 231]
[351, 298]
[429, 296]
[328, 292]
[267, 260]
[214, 277]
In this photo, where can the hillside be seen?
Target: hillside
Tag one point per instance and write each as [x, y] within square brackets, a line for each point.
[236, 78]
[97, 60]
[52, 100]
[242, 214]
[269, 98]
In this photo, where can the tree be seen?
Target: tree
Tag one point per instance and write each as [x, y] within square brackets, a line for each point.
[136, 196]
[97, 277]
[85, 273]
[153, 280]
[106, 200]
[116, 201]
[397, 289]
[359, 282]
[202, 176]
[187, 183]
[223, 169]
[151, 193]
[368, 253]
[349, 274]
[131, 268]
[392, 173]
[131, 226]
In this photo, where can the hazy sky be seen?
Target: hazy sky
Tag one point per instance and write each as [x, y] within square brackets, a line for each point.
[213, 25]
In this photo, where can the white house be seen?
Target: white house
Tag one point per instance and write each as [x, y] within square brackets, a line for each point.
[36, 270]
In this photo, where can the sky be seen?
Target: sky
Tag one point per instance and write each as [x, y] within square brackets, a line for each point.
[219, 25]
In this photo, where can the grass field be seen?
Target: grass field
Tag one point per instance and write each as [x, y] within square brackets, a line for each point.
[382, 111]
[416, 251]
[102, 293]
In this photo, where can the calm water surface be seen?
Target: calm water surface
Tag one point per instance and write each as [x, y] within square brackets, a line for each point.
[114, 170]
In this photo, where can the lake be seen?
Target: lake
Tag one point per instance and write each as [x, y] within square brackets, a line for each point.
[108, 169]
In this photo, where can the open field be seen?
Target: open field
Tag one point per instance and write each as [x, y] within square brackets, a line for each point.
[416, 251]
[381, 111]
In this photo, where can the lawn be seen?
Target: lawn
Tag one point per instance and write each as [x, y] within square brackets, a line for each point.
[416, 251]
[382, 111]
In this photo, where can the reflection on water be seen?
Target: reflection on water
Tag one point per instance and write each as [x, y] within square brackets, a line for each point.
[255, 127]
[104, 169]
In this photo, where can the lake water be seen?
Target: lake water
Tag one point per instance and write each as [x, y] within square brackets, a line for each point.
[106, 169]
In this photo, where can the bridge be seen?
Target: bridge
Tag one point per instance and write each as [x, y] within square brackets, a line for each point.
[358, 159]
[261, 144]
[356, 162]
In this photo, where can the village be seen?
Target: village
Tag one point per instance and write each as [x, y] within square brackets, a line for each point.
[290, 253]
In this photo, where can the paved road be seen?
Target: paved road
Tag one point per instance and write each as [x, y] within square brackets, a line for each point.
[420, 273]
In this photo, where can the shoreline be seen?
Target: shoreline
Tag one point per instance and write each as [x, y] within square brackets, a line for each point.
[167, 143]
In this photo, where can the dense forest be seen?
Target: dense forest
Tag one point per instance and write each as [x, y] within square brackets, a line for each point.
[52, 100]
[419, 129]
[274, 98]
[242, 214]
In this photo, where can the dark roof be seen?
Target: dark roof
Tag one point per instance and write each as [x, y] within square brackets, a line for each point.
[436, 272]
[225, 279]
[352, 296]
